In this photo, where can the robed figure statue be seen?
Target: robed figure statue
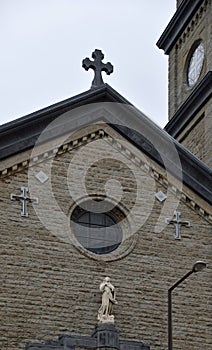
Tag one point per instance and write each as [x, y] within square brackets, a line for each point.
[108, 300]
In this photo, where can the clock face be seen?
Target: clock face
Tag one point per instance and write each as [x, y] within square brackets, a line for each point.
[195, 65]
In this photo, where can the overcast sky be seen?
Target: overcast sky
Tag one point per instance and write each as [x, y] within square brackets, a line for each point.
[43, 43]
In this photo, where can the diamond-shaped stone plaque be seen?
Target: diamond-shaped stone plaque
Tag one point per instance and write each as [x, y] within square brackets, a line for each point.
[41, 176]
[160, 196]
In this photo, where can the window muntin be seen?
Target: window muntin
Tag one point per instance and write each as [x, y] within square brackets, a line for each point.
[99, 233]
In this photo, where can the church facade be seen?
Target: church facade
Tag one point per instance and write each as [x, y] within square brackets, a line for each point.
[102, 212]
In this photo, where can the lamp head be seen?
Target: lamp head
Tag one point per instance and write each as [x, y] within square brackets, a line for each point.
[199, 266]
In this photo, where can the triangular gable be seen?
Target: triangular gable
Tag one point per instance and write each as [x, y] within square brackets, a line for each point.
[106, 104]
[34, 161]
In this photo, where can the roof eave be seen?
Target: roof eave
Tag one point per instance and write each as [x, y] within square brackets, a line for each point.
[177, 24]
[192, 105]
[104, 91]
[195, 174]
[21, 134]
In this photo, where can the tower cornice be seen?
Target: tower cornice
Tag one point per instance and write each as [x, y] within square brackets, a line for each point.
[177, 24]
[191, 106]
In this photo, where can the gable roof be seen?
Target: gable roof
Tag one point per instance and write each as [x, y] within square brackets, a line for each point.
[21, 134]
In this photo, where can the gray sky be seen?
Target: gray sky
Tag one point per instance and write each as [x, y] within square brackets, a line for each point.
[43, 43]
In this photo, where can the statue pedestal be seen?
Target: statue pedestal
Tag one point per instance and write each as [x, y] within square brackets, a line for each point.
[106, 336]
[106, 319]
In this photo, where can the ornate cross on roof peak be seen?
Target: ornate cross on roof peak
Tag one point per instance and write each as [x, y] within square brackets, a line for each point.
[98, 66]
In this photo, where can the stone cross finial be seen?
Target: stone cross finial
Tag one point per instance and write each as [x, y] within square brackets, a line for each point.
[98, 66]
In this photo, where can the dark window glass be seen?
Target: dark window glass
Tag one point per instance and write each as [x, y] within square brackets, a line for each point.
[100, 233]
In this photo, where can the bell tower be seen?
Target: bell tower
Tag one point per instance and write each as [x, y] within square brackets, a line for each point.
[187, 41]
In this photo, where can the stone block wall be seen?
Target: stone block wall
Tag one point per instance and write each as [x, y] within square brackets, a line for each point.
[50, 285]
[196, 136]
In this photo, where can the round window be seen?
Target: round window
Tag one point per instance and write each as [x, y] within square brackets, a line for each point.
[195, 64]
[97, 232]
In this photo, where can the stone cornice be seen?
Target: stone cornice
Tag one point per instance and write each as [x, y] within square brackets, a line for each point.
[190, 107]
[154, 172]
[177, 24]
[146, 167]
[195, 174]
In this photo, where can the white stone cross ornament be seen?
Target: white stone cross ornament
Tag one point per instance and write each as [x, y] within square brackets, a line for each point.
[24, 199]
[177, 223]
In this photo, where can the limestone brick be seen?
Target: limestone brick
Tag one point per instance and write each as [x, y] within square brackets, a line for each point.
[49, 286]
[196, 136]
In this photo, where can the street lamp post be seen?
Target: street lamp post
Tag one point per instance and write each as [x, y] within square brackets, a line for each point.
[198, 266]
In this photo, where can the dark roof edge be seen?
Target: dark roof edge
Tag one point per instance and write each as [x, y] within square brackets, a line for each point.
[89, 96]
[21, 135]
[196, 174]
[177, 24]
[190, 107]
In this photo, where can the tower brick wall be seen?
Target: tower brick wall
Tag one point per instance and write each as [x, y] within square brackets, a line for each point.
[196, 136]
[199, 27]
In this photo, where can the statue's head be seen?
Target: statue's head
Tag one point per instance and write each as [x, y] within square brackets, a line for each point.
[107, 279]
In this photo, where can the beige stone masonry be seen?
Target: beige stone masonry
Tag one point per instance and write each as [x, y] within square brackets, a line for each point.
[49, 150]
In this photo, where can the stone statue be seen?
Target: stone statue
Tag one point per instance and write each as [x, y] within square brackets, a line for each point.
[108, 299]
